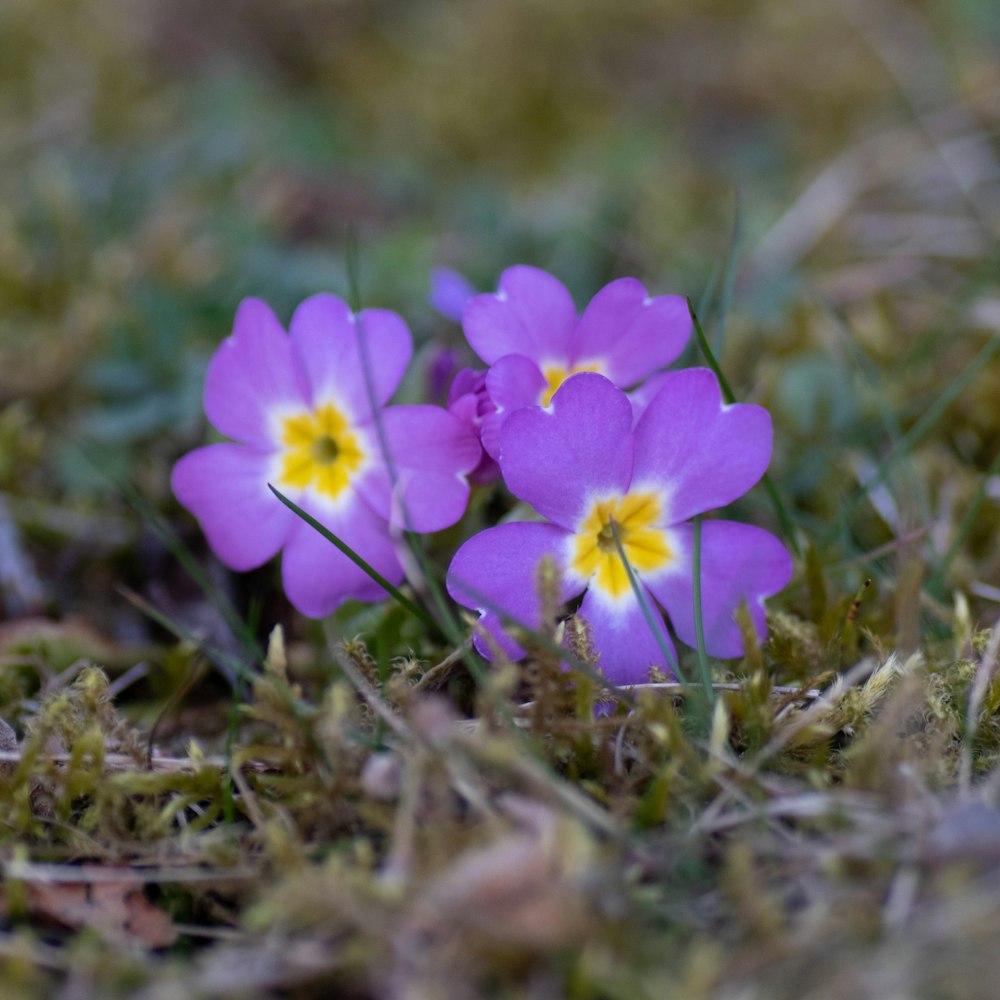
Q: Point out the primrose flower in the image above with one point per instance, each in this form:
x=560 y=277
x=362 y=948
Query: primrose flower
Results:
x=305 y=411
x=583 y=467
x=529 y=334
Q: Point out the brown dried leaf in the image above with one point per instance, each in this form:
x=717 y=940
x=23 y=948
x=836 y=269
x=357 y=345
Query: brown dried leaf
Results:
x=113 y=909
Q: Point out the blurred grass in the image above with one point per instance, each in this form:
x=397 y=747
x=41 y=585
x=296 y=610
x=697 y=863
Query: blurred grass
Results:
x=161 y=159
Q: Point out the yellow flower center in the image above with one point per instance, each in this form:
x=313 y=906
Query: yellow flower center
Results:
x=555 y=375
x=595 y=553
x=320 y=450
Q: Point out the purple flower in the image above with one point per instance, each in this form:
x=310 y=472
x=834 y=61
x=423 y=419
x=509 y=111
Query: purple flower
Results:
x=581 y=464
x=298 y=409
x=470 y=402
x=529 y=334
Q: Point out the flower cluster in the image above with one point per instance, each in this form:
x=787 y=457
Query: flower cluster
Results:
x=573 y=412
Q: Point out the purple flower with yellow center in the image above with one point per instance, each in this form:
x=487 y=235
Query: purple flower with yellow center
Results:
x=305 y=411
x=588 y=472
x=529 y=333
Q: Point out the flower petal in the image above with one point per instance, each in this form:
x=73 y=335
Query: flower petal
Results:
x=430 y=451
x=318 y=577
x=326 y=337
x=560 y=457
x=251 y=373
x=496 y=570
x=225 y=487
x=703 y=454
x=450 y=291
x=739 y=562
x=643 y=395
x=622 y=638
x=632 y=333
x=531 y=314
x=512 y=383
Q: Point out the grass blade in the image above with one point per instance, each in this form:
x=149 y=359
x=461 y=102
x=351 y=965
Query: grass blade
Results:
x=699 y=625
x=652 y=619
x=394 y=592
x=729 y=272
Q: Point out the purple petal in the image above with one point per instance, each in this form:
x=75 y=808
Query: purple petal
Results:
x=225 y=487
x=631 y=333
x=531 y=314
x=467 y=382
x=318 y=577
x=251 y=374
x=469 y=401
x=450 y=291
x=622 y=638
x=559 y=458
x=430 y=452
x=512 y=383
x=644 y=394
x=739 y=562
x=487 y=471
x=326 y=339
x=496 y=570
x=702 y=453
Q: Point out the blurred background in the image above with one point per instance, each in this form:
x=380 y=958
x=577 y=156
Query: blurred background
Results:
x=823 y=180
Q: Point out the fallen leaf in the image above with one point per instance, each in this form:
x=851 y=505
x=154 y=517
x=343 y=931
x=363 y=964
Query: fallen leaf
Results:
x=113 y=909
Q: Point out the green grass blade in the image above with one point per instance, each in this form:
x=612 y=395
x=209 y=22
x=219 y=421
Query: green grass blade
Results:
x=699 y=625
x=729 y=272
x=394 y=592
x=653 y=622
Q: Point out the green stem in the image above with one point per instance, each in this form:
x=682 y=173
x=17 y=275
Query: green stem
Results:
x=699 y=624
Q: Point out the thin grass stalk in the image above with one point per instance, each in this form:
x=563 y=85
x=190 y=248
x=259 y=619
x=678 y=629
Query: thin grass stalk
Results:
x=699 y=625
x=655 y=626
x=729 y=272
x=394 y=592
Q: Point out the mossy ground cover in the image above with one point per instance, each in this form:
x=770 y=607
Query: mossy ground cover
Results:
x=204 y=795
